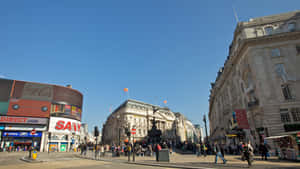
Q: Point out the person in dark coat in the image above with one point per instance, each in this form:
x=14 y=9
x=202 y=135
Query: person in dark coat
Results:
x=263 y=149
x=222 y=150
x=157 y=149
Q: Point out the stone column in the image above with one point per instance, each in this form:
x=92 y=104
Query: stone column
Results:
x=69 y=144
x=58 y=146
x=42 y=143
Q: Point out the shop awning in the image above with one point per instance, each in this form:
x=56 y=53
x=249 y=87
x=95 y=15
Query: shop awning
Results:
x=274 y=137
x=291 y=133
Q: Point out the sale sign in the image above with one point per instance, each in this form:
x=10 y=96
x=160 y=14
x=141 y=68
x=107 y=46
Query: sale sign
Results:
x=64 y=125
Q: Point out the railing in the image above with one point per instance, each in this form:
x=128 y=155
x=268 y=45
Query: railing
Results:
x=253 y=103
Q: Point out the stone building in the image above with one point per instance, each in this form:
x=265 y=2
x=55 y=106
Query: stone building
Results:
x=139 y=115
x=198 y=135
x=261 y=75
x=83 y=132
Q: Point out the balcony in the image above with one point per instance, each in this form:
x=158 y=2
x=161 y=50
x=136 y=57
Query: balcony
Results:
x=253 y=104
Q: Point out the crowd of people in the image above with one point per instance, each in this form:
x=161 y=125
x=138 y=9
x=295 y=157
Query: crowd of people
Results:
x=16 y=148
x=244 y=149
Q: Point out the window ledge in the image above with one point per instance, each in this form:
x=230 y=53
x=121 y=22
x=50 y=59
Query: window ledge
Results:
x=275 y=57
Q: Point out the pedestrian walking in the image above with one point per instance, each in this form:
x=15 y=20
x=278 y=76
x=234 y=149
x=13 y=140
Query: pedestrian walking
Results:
x=198 y=150
x=204 y=149
x=263 y=149
x=157 y=149
x=248 y=153
x=217 y=151
x=150 y=150
x=222 y=150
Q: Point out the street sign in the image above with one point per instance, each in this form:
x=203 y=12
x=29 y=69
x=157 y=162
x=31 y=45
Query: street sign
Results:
x=133 y=131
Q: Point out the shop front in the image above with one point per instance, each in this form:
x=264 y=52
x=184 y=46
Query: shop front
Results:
x=16 y=134
x=21 y=140
x=63 y=134
x=286 y=146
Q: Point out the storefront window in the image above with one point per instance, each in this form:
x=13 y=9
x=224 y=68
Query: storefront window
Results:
x=296 y=114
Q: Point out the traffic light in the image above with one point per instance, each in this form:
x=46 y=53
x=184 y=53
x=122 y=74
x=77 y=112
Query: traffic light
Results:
x=96 y=134
x=128 y=133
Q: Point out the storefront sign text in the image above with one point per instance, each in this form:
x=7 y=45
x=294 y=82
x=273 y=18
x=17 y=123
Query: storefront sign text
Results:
x=28 y=120
x=62 y=125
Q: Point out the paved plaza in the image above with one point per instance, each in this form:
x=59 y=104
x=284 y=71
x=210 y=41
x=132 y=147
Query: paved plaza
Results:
x=74 y=160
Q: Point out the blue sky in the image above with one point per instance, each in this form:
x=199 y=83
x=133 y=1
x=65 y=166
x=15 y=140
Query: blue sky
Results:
x=159 y=49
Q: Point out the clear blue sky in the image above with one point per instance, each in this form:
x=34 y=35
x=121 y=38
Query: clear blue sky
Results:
x=159 y=49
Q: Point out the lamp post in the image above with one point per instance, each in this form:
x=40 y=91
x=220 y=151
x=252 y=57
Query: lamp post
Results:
x=204 y=120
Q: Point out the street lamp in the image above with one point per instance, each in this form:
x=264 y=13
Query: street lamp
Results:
x=204 y=120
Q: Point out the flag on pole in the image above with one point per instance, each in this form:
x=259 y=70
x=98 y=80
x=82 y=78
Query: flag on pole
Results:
x=127 y=92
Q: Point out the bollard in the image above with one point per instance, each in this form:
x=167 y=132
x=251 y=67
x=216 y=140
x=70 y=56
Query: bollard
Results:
x=34 y=155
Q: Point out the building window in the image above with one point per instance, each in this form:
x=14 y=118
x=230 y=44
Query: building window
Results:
x=269 y=30
x=275 y=52
x=286 y=92
x=285 y=117
x=298 y=49
x=292 y=26
x=280 y=70
x=296 y=114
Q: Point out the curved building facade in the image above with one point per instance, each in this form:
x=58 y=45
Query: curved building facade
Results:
x=54 y=112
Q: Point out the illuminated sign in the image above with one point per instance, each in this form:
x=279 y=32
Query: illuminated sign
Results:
x=64 y=125
x=21 y=134
x=27 y=120
x=71 y=126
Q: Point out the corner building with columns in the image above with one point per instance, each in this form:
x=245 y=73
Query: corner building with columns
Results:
x=139 y=115
x=256 y=95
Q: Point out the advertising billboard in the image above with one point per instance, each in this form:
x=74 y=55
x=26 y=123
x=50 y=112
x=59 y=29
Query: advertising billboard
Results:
x=29 y=108
x=26 y=120
x=21 y=134
x=64 y=110
x=64 y=125
x=42 y=100
x=241 y=118
x=5 y=90
x=67 y=95
x=32 y=91
x=24 y=127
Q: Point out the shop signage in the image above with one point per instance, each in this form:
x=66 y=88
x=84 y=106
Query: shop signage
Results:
x=64 y=125
x=2 y=127
x=21 y=134
x=63 y=147
x=241 y=118
x=18 y=127
x=26 y=120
